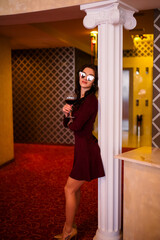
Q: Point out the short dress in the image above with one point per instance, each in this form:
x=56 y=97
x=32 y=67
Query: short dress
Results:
x=87 y=163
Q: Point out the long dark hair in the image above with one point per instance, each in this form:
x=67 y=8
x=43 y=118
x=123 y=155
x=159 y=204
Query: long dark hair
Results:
x=94 y=87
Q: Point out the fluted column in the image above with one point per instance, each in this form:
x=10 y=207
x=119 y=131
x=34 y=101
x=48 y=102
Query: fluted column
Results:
x=110 y=16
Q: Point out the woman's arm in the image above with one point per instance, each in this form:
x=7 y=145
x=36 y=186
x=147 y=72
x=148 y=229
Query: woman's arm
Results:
x=89 y=106
x=66 y=121
x=66 y=110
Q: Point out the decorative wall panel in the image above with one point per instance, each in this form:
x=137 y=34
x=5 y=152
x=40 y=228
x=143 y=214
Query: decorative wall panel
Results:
x=142 y=49
x=156 y=82
x=40 y=79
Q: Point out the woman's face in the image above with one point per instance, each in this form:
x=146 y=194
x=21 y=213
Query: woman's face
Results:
x=86 y=73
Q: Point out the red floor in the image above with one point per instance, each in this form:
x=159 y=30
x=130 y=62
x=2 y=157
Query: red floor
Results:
x=32 y=198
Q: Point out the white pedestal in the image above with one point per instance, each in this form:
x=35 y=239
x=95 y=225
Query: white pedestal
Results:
x=141 y=208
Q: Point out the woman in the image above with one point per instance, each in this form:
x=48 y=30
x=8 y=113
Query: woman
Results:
x=87 y=160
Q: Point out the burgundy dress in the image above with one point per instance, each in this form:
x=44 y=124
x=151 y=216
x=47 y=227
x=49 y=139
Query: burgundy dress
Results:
x=87 y=159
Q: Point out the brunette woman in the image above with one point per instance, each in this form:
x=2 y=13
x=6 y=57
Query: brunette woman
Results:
x=87 y=159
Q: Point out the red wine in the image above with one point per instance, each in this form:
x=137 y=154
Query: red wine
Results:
x=70 y=101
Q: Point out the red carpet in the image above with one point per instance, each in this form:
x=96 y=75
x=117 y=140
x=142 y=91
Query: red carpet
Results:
x=32 y=197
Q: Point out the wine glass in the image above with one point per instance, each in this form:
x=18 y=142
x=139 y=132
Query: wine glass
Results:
x=70 y=98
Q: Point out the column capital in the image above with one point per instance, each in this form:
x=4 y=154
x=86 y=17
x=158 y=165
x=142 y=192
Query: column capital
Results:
x=112 y=11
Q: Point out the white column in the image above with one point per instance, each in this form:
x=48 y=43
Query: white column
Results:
x=110 y=16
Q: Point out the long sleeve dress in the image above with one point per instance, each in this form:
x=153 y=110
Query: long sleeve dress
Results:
x=87 y=159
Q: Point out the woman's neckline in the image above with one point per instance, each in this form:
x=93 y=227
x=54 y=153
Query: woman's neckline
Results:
x=87 y=95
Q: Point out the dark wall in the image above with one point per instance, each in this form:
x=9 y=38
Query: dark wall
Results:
x=81 y=58
x=41 y=77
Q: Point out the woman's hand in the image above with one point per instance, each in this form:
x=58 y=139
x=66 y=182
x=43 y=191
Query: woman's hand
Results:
x=66 y=109
x=70 y=121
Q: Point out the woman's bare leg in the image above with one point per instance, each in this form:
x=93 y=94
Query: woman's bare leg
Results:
x=72 y=194
x=78 y=196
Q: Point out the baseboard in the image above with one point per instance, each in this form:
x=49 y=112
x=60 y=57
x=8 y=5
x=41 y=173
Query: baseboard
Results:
x=6 y=163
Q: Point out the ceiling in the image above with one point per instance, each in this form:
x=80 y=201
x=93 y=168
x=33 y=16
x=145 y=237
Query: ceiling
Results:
x=63 y=27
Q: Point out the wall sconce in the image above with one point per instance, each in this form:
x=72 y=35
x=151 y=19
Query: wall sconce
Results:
x=94 y=35
x=137 y=71
x=146 y=37
x=147 y=70
x=93 y=40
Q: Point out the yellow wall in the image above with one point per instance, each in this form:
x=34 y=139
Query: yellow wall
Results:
x=144 y=26
x=141 y=82
x=6 y=118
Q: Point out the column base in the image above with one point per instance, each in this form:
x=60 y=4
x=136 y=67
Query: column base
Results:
x=108 y=236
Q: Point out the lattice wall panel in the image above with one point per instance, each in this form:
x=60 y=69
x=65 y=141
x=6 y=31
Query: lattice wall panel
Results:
x=156 y=82
x=40 y=79
x=142 y=49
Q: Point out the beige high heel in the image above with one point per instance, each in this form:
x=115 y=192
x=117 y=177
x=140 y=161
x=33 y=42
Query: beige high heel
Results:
x=59 y=236
x=72 y=235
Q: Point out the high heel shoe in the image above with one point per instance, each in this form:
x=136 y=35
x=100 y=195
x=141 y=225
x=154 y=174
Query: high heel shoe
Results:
x=59 y=236
x=70 y=236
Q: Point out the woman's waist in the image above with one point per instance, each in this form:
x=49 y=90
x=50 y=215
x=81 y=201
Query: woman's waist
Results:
x=85 y=135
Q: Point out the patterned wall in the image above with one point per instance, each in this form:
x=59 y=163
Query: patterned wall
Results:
x=142 y=49
x=40 y=79
x=156 y=82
